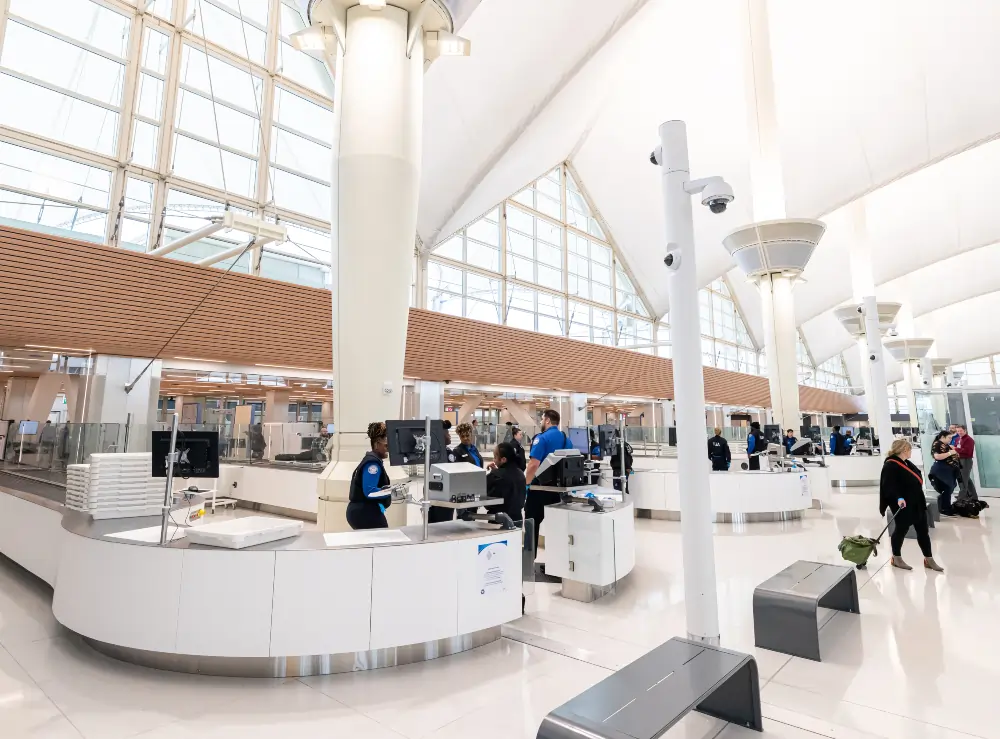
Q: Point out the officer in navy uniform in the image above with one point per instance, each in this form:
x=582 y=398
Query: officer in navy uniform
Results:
x=755 y=445
x=543 y=444
x=368 y=499
x=718 y=452
x=790 y=440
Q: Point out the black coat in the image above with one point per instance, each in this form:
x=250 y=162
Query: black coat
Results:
x=718 y=452
x=507 y=482
x=902 y=479
x=521 y=460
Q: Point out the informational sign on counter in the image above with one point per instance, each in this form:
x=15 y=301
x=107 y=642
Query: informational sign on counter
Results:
x=491 y=577
x=804 y=482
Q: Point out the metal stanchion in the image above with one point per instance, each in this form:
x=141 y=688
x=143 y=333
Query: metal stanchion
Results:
x=425 y=508
x=168 y=495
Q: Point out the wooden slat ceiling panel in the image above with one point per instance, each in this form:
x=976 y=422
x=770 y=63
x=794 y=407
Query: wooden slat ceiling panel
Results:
x=62 y=292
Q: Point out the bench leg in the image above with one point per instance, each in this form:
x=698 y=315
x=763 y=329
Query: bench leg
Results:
x=844 y=595
x=737 y=700
x=786 y=625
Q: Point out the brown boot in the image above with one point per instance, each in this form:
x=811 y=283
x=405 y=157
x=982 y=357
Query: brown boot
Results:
x=898 y=562
x=930 y=564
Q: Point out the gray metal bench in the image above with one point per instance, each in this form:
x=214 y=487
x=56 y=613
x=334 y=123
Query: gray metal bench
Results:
x=645 y=698
x=786 y=605
x=933 y=515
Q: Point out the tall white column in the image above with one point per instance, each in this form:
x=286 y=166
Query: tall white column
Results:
x=578 y=409
x=667 y=407
x=376 y=190
x=781 y=345
x=700 y=596
x=431 y=395
x=378 y=118
x=880 y=391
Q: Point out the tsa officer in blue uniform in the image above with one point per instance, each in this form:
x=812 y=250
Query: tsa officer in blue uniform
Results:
x=368 y=499
x=790 y=440
x=543 y=445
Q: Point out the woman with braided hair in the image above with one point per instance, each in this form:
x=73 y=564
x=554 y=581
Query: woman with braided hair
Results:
x=369 y=497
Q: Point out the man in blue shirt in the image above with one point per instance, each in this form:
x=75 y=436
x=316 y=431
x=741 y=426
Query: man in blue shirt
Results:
x=542 y=446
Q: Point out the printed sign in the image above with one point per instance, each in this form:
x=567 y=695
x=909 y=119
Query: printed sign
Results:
x=490 y=574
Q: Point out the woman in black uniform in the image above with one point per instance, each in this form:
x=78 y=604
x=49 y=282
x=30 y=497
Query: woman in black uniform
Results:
x=368 y=498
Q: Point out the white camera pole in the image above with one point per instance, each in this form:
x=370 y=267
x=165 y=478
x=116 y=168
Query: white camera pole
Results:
x=700 y=596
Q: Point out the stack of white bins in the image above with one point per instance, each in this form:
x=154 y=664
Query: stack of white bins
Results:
x=115 y=486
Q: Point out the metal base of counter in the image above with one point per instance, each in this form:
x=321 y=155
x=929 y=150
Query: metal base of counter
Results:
x=766 y=517
x=304 y=666
x=854 y=483
x=585 y=592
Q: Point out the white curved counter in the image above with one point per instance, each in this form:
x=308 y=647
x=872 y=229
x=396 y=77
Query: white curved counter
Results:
x=292 y=607
x=737 y=496
x=858 y=470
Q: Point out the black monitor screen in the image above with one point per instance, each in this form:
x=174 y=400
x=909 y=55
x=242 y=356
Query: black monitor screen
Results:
x=607 y=436
x=197 y=453
x=408 y=440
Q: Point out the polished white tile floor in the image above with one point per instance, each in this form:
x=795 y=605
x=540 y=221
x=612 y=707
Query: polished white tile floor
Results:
x=921 y=662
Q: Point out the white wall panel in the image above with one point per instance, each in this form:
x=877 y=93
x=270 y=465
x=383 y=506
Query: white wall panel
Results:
x=313 y=590
x=225 y=603
x=31 y=535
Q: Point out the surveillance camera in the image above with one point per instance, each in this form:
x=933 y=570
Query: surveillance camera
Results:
x=872 y=358
x=861 y=309
x=717 y=195
x=657 y=156
x=673 y=258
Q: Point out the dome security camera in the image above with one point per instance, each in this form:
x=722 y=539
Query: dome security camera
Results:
x=717 y=195
x=673 y=258
x=656 y=157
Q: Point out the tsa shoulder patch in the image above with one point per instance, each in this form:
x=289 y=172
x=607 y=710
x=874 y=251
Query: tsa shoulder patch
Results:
x=536 y=440
x=372 y=469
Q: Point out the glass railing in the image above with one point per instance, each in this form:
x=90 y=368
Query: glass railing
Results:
x=268 y=442
x=56 y=445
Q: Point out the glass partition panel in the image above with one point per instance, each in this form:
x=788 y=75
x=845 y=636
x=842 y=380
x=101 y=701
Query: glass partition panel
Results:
x=984 y=414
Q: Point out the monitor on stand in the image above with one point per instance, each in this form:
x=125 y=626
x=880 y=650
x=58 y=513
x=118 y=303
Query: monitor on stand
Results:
x=197 y=454
x=408 y=442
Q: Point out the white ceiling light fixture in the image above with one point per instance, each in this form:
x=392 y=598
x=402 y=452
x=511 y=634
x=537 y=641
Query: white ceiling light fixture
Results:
x=443 y=43
x=315 y=38
x=374 y=4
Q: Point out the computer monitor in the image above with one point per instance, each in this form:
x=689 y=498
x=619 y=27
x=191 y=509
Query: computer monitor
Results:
x=197 y=453
x=27 y=428
x=607 y=435
x=408 y=439
x=772 y=433
x=307 y=442
x=580 y=439
x=329 y=428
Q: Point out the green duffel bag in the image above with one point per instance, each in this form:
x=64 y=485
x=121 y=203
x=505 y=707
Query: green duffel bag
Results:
x=858 y=549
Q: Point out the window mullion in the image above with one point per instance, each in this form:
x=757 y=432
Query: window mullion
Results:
x=131 y=83
x=4 y=9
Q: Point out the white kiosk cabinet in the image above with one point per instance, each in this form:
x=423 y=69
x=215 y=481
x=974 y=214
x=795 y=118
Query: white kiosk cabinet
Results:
x=588 y=549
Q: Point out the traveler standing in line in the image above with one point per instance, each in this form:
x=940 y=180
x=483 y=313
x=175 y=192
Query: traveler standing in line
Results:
x=755 y=445
x=901 y=490
x=516 y=437
x=966 y=448
x=945 y=471
x=718 y=452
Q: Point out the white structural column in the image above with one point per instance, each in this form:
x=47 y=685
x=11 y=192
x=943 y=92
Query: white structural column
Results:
x=378 y=137
x=880 y=390
x=431 y=399
x=376 y=189
x=775 y=280
x=667 y=408
x=700 y=596
x=780 y=344
x=578 y=410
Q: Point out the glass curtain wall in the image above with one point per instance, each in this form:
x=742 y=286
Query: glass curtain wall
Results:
x=725 y=341
x=541 y=261
x=132 y=122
